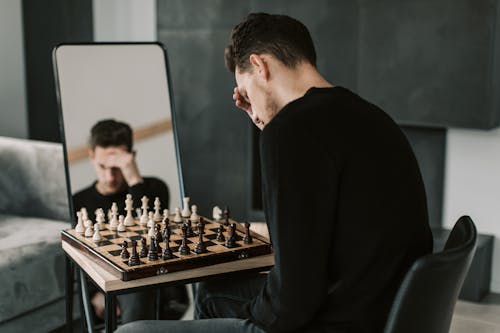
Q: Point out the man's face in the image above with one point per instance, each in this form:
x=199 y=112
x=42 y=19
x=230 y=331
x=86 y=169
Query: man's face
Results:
x=110 y=179
x=258 y=93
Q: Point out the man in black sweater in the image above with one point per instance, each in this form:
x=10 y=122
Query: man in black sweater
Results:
x=343 y=196
x=117 y=173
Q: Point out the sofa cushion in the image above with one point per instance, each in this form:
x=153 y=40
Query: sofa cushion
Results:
x=31 y=263
x=32 y=179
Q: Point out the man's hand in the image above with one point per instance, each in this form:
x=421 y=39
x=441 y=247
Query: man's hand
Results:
x=125 y=161
x=245 y=105
x=97 y=302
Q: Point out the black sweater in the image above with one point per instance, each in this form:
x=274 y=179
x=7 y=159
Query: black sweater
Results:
x=346 y=209
x=91 y=199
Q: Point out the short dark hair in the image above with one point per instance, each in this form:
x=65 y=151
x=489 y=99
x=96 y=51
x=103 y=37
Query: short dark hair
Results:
x=279 y=35
x=109 y=132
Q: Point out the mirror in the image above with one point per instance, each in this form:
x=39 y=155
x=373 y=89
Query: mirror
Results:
x=117 y=85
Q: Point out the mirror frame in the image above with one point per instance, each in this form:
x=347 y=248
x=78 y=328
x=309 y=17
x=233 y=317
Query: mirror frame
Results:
x=61 y=119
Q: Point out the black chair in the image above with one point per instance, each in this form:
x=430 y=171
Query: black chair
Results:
x=426 y=298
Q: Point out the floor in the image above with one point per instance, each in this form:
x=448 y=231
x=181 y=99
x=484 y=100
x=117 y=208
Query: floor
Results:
x=481 y=317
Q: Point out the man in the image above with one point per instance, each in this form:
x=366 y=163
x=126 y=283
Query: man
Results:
x=343 y=196
x=111 y=154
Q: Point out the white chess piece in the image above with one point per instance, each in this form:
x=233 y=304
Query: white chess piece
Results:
x=129 y=207
x=177 y=217
x=195 y=218
x=144 y=217
x=151 y=221
x=217 y=213
x=165 y=216
x=138 y=213
x=121 y=225
x=79 y=228
x=99 y=219
x=113 y=222
x=97 y=235
x=185 y=211
x=157 y=215
x=152 y=231
x=85 y=214
x=89 y=231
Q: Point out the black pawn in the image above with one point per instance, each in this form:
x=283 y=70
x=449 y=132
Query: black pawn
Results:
x=230 y=241
x=226 y=215
x=134 y=258
x=200 y=245
x=201 y=225
x=158 y=235
x=167 y=253
x=166 y=234
x=144 y=248
x=189 y=228
x=184 y=249
x=153 y=253
x=220 y=235
x=124 y=254
x=158 y=247
x=248 y=237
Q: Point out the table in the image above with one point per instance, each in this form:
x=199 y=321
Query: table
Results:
x=111 y=286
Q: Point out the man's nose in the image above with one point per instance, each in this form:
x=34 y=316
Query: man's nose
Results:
x=110 y=175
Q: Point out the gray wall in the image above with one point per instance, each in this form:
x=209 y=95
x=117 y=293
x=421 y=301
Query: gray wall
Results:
x=13 y=117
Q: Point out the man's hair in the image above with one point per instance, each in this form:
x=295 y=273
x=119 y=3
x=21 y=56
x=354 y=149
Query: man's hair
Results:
x=279 y=35
x=109 y=132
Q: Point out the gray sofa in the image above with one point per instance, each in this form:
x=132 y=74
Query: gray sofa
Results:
x=33 y=211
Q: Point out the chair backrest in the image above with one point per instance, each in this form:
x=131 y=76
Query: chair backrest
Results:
x=426 y=298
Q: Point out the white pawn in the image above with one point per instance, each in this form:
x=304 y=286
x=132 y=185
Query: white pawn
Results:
x=152 y=231
x=151 y=221
x=165 y=215
x=185 y=211
x=144 y=217
x=121 y=225
x=79 y=228
x=113 y=222
x=217 y=213
x=97 y=235
x=129 y=207
x=85 y=214
x=138 y=213
x=195 y=218
x=89 y=231
x=177 y=217
x=99 y=219
x=157 y=215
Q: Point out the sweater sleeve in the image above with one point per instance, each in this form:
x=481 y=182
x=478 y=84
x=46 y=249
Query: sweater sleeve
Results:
x=150 y=187
x=299 y=192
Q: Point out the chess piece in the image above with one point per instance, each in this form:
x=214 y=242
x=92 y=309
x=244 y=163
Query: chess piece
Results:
x=230 y=241
x=220 y=234
x=138 y=213
x=166 y=234
x=121 y=225
x=99 y=219
x=85 y=217
x=248 y=237
x=89 y=231
x=158 y=247
x=124 y=254
x=153 y=253
x=151 y=221
x=200 y=245
x=217 y=213
x=195 y=218
x=158 y=235
x=189 y=229
x=113 y=222
x=184 y=248
x=152 y=230
x=185 y=211
x=144 y=217
x=165 y=220
x=97 y=233
x=167 y=253
x=157 y=214
x=129 y=207
x=177 y=217
x=144 y=248
x=134 y=257
x=226 y=216
x=79 y=228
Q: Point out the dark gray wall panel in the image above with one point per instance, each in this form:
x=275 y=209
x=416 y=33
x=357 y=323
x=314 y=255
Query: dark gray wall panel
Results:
x=431 y=63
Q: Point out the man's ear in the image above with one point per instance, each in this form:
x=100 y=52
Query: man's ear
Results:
x=259 y=65
x=91 y=153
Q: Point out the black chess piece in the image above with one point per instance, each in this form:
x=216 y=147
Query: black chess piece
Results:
x=184 y=248
x=226 y=215
x=166 y=234
x=153 y=253
x=134 y=258
x=167 y=253
x=201 y=225
x=220 y=235
x=248 y=237
x=124 y=254
x=158 y=247
x=158 y=235
x=144 y=248
x=230 y=241
x=200 y=245
x=189 y=230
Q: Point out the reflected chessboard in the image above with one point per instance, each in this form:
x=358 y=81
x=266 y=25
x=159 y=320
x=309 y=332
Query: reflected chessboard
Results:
x=108 y=250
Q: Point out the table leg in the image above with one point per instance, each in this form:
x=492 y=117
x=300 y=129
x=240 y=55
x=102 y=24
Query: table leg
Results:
x=158 y=303
x=69 y=295
x=110 y=308
x=87 y=307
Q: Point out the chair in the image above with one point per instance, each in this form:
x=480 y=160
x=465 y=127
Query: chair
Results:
x=426 y=298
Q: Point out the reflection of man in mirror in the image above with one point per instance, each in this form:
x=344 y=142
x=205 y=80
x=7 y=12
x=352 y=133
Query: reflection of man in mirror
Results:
x=111 y=154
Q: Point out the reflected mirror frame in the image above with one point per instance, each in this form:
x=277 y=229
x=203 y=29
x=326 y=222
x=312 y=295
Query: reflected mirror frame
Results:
x=61 y=120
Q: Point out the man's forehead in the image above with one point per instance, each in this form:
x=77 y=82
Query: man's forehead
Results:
x=111 y=150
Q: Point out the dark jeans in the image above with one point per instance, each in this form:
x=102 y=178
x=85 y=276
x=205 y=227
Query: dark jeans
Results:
x=217 y=305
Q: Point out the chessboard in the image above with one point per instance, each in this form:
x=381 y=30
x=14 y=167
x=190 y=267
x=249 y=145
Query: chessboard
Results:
x=109 y=249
